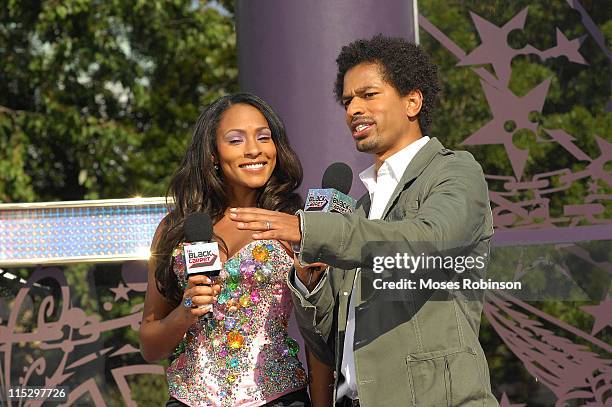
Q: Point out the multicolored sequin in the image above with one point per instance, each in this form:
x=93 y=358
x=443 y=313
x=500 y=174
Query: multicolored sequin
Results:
x=243 y=356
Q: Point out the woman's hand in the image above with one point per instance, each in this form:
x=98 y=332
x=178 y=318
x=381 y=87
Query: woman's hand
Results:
x=267 y=224
x=310 y=274
x=201 y=293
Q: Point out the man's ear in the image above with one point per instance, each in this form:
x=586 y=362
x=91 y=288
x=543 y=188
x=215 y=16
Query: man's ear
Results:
x=413 y=102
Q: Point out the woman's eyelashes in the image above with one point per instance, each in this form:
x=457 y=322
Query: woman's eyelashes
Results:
x=235 y=139
x=264 y=136
x=240 y=138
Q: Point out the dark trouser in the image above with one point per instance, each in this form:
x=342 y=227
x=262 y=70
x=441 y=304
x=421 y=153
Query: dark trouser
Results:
x=296 y=399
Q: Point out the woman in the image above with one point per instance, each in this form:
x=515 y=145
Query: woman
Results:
x=239 y=156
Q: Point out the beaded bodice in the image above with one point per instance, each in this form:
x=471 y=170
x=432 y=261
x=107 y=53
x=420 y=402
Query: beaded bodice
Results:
x=243 y=355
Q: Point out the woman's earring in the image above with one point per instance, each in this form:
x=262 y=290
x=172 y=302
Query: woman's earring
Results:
x=216 y=167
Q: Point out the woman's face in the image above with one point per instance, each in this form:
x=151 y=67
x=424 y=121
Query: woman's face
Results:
x=247 y=154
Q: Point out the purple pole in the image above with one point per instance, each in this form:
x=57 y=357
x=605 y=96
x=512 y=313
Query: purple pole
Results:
x=287 y=55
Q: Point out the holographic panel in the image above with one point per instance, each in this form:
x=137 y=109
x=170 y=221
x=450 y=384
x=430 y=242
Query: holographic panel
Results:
x=83 y=231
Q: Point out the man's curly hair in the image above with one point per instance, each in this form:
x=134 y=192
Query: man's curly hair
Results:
x=403 y=65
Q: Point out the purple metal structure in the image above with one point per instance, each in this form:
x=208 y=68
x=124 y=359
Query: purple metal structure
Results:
x=286 y=54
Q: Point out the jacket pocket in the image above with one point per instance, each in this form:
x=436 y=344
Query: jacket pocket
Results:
x=449 y=377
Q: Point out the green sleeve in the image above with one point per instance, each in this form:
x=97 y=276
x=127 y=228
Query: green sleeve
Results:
x=455 y=208
x=314 y=314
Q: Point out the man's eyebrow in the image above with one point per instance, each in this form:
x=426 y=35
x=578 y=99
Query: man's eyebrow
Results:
x=359 y=91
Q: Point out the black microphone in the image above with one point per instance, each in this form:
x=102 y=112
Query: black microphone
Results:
x=338 y=176
x=198 y=227
x=333 y=194
x=201 y=255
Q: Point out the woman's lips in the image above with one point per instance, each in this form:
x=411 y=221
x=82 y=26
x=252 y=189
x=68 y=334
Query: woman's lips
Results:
x=253 y=166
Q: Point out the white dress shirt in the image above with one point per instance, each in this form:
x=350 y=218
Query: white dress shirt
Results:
x=380 y=186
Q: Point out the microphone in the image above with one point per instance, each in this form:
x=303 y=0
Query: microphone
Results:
x=333 y=194
x=338 y=176
x=201 y=255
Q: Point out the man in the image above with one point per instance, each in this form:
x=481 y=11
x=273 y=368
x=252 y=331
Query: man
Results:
x=418 y=191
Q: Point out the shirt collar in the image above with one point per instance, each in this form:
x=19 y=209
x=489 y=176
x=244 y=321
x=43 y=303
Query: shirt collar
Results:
x=396 y=164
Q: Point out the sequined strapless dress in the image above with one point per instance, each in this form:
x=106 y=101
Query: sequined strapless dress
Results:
x=243 y=356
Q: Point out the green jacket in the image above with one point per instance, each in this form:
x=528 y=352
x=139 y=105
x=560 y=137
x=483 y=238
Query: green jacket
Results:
x=432 y=357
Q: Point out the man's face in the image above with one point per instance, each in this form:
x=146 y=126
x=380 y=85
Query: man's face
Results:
x=375 y=113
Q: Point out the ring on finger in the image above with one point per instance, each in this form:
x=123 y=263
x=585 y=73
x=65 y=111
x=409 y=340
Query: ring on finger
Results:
x=188 y=303
x=268 y=227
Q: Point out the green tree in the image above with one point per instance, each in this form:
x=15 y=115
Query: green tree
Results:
x=97 y=98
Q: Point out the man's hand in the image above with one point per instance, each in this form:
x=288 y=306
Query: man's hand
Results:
x=310 y=274
x=268 y=224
